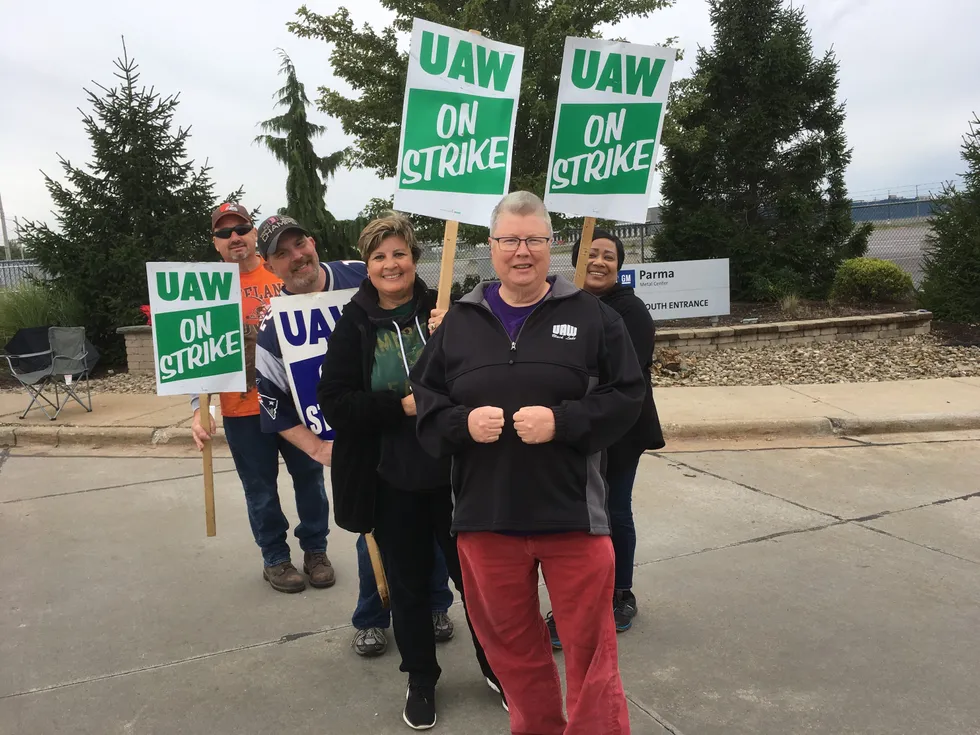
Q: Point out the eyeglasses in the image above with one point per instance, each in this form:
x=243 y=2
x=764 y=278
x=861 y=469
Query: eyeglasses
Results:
x=225 y=232
x=511 y=244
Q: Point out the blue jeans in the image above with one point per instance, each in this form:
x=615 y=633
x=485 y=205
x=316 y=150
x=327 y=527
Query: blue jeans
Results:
x=369 y=612
x=621 y=467
x=256 y=458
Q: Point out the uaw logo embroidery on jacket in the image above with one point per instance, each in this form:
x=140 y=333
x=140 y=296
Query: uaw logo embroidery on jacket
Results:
x=564 y=331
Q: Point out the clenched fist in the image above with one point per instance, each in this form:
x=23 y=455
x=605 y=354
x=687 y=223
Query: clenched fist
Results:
x=486 y=424
x=535 y=424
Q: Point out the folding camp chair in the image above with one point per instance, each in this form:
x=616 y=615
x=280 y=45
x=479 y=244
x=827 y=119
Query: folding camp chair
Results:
x=69 y=360
x=28 y=356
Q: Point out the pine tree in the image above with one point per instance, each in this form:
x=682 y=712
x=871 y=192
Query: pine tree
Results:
x=139 y=200
x=306 y=187
x=755 y=155
x=951 y=288
x=376 y=69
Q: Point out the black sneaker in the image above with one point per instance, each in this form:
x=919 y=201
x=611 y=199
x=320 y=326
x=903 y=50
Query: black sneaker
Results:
x=420 y=706
x=442 y=626
x=624 y=609
x=549 y=619
x=495 y=685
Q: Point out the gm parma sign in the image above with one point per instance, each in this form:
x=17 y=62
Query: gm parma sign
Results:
x=687 y=288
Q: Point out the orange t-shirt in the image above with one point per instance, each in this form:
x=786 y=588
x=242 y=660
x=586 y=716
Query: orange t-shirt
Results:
x=258 y=286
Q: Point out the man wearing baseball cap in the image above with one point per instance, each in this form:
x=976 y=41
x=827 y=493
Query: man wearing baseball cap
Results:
x=255 y=453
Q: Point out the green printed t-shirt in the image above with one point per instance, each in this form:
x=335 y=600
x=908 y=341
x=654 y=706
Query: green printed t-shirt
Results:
x=388 y=371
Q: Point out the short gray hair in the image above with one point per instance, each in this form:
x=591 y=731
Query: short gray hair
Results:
x=521 y=203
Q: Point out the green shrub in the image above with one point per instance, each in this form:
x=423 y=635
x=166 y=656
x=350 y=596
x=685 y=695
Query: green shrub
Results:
x=37 y=305
x=871 y=280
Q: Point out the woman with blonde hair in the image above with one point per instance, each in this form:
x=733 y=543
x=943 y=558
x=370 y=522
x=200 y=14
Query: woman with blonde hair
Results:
x=382 y=479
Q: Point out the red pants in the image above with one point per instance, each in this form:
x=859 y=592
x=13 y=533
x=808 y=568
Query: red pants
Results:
x=500 y=574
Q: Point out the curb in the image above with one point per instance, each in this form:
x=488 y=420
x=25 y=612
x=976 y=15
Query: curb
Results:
x=824 y=426
x=923 y=422
x=97 y=437
x=12 y=435
x=737 y=428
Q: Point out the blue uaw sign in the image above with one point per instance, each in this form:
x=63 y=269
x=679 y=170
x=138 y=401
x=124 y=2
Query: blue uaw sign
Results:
x=304 y=324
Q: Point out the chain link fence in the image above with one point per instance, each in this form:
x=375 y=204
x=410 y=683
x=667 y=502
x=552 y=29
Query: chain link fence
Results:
x=901 y=231
x=13 y=273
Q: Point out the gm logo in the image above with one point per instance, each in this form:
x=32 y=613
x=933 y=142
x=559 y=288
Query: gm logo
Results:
x=627 y=278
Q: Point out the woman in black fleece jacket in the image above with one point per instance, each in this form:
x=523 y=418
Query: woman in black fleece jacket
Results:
x=606 y=258
x=382 y=479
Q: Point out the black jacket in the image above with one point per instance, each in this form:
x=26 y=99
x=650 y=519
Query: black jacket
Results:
x=572 y=356
x=646 y=432
x=374 y=437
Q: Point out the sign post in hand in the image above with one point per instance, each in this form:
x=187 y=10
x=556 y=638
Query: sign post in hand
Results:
x=209 y=522
x=198 y=344
x=588 y=229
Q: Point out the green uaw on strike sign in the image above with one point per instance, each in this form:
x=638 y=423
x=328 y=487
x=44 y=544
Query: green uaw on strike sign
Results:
x=611 y=104
x=457 y=134
x=196 y=311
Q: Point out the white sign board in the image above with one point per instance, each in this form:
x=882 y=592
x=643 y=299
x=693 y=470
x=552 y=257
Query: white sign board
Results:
x=612 y=99
x=680 y=290
x=304 y=323
x=457 y=133
x=196 y=312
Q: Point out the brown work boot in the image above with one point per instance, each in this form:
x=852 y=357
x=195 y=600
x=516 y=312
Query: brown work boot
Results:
x=284 y=577
x=319 y=569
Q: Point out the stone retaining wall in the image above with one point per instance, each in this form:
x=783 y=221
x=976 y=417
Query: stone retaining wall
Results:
x=139 y=349
x=139 y=340
x=878 y=326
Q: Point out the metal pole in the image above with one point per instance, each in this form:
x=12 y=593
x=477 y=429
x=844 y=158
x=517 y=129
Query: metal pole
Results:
x=3 y=227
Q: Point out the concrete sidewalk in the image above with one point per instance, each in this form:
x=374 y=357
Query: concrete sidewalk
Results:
x=845 y=409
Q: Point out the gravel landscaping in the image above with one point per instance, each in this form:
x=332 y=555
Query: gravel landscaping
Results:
x=864 y=361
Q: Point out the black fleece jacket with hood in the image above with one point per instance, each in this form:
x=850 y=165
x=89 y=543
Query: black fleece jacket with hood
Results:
x=572 y=355
x=374 y=438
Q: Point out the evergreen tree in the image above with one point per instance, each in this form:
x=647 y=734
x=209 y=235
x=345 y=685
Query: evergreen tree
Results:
x=139 y=200
x=755 y=155
x=375 y=69
x=306 y=187
x=951 y=288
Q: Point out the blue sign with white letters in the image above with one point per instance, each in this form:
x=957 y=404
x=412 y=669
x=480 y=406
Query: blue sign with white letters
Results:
x=304 y=324
x=627 y=278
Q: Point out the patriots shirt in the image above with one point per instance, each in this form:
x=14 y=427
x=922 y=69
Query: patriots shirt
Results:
x=277 y=410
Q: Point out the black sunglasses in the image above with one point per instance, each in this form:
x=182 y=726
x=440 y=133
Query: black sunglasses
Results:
x=225 y=232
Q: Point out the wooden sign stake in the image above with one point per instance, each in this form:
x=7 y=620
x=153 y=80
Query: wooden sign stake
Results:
x=205 y=404
x=588 y=228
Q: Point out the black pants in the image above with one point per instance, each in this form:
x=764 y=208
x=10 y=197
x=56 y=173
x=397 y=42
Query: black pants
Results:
x=405 y=523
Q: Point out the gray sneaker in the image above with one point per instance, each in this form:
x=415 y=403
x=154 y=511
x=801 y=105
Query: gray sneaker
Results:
x=370 y=642
x=284 y=577
x=443 y=627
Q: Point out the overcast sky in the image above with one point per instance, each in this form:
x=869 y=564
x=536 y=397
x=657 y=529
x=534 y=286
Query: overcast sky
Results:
x=908 y=76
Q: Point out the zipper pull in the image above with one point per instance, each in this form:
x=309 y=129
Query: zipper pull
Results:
x=513 y=346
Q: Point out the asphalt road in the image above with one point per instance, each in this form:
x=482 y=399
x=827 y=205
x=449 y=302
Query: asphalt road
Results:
x=801 y=590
